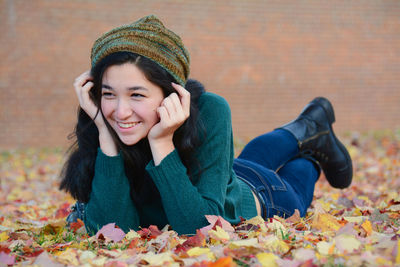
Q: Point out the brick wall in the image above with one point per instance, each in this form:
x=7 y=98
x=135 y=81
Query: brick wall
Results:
x=267 y=58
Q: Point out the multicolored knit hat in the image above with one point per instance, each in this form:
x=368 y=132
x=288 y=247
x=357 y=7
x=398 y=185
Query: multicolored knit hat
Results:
x=146 y=37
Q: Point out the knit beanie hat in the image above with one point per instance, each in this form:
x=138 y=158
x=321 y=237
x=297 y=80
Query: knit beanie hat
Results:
x=147 y=37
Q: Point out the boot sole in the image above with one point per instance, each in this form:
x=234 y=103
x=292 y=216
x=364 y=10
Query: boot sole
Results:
x=348 y=171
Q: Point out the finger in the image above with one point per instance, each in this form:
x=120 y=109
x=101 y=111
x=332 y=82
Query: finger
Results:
x=82 y=79
x=169 y=105
x=164 y=116
x=176 y=102
x=184 y=97
x=85 y=90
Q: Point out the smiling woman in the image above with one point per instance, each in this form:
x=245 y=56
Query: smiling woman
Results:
x=129 y=102
x=154 y=148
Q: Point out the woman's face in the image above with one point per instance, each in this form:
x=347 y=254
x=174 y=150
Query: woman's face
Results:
x=129 y=102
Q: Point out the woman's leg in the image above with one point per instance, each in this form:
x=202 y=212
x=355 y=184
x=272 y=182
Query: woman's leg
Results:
x=301 y=175
x=272 y=165
x=280 y=193
x=271 y=150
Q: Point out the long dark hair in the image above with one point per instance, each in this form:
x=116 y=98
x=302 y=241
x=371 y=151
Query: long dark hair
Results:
x=78 y=171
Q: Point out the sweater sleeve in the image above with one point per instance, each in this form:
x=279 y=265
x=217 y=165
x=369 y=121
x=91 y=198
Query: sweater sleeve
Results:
x=186 y=200
x=110 y=200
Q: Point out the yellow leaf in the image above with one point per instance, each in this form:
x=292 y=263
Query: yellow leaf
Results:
x=219 y=234
x=22 y=208
x=256 y=220
x=197 y=251
x=274 y=244
x=325 y=222
x=100 y=261
x=394 y=208
x=86 y=256
x=367 y=226
x=383 y=262
x=363 y=198
x=278 y=227
x=357 y=212
x=398 y=252
x=325 y=248
x=69 y=256
x=132 y=235
x=3 y=236
x=335 y=196
x=158 y=259
x=347 y=243
x=259 y=221
x=267 y=259
x=325 y=205
x=252 y=242
x=355 y=219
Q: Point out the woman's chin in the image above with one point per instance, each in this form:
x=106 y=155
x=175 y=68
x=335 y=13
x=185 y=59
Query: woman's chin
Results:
x=129 y=141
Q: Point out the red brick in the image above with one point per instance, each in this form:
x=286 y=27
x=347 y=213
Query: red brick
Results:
x=267 y=58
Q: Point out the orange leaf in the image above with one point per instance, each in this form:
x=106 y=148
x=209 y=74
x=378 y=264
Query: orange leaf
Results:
x=223 y=262
x=76 y=225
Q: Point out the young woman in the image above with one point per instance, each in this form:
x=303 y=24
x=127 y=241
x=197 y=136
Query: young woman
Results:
x=154 y=148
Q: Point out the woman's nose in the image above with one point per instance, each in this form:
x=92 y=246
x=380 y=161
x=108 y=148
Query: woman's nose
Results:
x=124 y=110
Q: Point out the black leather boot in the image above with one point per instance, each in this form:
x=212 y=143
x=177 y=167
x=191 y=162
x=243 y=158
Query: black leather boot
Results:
x=315 y=136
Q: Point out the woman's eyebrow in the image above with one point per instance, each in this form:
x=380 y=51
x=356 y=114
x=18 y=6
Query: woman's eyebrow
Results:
x=106 y=86
x=135 y=88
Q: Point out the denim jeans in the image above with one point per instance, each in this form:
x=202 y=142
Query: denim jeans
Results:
x=282 y=181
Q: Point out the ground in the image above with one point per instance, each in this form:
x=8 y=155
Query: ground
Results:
x=357 y=226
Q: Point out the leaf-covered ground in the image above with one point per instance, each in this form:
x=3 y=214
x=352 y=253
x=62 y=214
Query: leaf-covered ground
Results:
x=358 y=226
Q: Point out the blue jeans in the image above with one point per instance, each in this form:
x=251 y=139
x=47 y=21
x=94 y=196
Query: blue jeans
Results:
x=282 y=181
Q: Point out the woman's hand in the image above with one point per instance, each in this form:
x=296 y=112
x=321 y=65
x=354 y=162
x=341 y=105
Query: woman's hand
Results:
x=83 y=84
x=173 y=112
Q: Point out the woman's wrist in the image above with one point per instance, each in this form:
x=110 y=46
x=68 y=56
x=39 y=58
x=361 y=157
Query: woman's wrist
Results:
x=107 y=143
x=160 y=148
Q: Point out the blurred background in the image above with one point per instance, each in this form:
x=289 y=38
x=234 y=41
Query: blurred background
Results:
x=267 y=58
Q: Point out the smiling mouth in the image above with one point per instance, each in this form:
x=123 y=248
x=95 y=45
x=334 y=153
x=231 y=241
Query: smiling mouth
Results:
x=127 y=125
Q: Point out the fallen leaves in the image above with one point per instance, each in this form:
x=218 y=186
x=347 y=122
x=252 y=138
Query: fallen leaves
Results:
x=358 y=226
x=110 y=233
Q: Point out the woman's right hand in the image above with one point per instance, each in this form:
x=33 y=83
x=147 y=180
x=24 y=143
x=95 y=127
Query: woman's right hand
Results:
x=83 y=84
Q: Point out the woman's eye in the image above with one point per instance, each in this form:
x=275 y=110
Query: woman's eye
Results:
x=137 y=95
x=107 y=94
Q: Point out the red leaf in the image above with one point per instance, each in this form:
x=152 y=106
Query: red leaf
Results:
x=63 y=211
x=151 y=232
x=154 y=230
x=4 y=249
x=76 y=225
x=197 y=240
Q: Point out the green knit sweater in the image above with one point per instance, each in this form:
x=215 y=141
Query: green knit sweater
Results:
x=183 y=203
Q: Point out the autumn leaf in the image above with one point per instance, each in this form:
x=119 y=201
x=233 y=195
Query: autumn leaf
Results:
x=75 y=226
x=111 y=233
x=356 y=226
x=267 y=259
x=7 y=259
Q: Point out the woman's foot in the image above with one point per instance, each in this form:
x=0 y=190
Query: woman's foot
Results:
x=315 y=136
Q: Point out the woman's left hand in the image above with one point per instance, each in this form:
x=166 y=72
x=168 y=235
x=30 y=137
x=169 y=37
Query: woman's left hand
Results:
x=173 y=112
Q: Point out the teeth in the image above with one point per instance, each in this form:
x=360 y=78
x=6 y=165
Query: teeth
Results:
x=127 y=125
